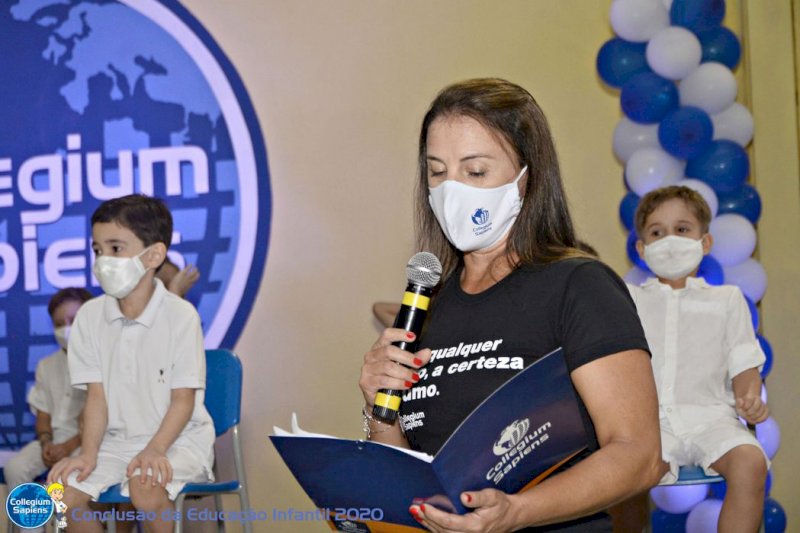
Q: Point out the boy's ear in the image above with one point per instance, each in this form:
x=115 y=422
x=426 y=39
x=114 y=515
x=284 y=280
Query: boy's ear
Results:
x=708 y=241
x=640 y=248
x=155 y=255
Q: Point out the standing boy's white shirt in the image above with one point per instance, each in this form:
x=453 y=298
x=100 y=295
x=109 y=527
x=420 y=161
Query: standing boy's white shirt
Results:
x=52 y=393
x=139 y=362
x=700 y=337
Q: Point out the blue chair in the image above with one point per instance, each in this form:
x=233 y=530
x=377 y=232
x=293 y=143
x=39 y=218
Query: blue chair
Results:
x=223 y=398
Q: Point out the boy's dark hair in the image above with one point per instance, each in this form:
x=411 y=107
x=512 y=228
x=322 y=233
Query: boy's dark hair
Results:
x=147 y=217
x=69 y=294
x=650 y=202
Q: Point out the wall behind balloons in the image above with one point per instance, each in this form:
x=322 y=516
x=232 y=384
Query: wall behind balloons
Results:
x=340 y=88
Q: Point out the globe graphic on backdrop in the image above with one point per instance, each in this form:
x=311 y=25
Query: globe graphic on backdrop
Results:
x=26 y=518
x=103 y=99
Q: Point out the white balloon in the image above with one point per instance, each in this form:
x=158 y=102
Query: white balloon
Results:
x=674 y=53
x=678 y=499
x=711 y=87
x=704 y=517
x=651 y=168
x=636 y=276
x=734 y=239
x=630 y=136
x=769 y=435
x=638 y=20
x=734 y=124
x=705 y=191
x=749 y=276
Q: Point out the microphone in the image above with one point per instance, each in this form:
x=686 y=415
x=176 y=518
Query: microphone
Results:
x=423 y=272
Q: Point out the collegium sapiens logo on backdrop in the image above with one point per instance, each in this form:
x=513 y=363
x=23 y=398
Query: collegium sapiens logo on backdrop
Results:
x=103 y=99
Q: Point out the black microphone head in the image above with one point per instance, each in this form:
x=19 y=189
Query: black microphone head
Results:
x=424 y=269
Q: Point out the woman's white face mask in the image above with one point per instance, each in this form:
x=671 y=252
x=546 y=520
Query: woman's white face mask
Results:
x=473 y=218
x=673 y=257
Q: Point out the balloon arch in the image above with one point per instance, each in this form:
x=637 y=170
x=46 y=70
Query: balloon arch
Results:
x=672 y=61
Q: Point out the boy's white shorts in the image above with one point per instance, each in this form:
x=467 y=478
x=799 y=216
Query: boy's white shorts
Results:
x=703 y=445
x=112 y=463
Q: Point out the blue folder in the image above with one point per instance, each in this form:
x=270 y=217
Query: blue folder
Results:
x=525 y=430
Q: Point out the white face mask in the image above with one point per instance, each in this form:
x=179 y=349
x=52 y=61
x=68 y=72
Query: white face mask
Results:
x=473 y=218
x=62 y=336
x=119 y=275
x=673 y=257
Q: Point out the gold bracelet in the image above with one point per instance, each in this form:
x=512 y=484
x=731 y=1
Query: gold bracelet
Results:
x=367 y=418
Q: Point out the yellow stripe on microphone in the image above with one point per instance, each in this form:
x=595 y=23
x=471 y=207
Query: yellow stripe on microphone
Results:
x=388 y=401
x=416 y=300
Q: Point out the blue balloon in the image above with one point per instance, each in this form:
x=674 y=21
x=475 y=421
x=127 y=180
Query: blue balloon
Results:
x=697 y=15
x=767 y=349
x=618 y=60
x=686 y=132
x=774 y=517
x=711 y=271
x=664 y=522
x=753 y=312
x=743 y=200
x=647 y=97
x=718 y=490
x=633 y=255
x=724 y=166
x=721 y=45
x=627 y=209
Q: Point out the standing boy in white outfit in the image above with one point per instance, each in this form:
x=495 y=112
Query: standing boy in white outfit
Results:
x=52 y=399
x=139 y=351
x=706 y=357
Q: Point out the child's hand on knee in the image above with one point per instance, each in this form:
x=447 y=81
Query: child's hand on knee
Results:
x=751 y=408
x=83 y=464
x=154 y=463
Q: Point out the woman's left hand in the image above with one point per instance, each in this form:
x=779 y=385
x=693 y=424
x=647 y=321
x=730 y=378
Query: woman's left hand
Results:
x=494 y=511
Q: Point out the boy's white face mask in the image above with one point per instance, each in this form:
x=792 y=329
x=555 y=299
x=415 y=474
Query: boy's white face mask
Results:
x=473 y=218
x=118 y=276
x=673 y=257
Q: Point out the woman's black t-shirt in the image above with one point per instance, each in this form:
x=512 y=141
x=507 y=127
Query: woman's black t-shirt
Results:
x=479 y=341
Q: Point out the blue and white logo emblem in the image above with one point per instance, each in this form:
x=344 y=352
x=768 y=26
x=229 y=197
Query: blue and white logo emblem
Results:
x=29 y=506
x=104 y=98
x=511 y=436
x=480 y=216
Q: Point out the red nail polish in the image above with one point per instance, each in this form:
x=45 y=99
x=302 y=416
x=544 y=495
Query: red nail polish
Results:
x=410 y=335
x=418 y=519
x=413 y=512
x=417 y=361
x=415 y=377
x=469 y=498
x=409 y=384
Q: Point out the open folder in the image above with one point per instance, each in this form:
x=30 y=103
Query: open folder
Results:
x=524 y=431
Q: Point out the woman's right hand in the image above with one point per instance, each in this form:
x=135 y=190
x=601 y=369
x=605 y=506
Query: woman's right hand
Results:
x=381 y=371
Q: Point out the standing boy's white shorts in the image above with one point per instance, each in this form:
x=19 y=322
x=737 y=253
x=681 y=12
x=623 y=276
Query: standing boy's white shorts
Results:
x=115 y=456
x=703 y=444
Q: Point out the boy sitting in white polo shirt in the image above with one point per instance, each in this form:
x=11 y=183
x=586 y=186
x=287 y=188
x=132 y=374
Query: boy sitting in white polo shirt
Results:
x=139 y=351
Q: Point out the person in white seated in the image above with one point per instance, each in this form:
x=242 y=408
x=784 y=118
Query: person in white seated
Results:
x=52 y=399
